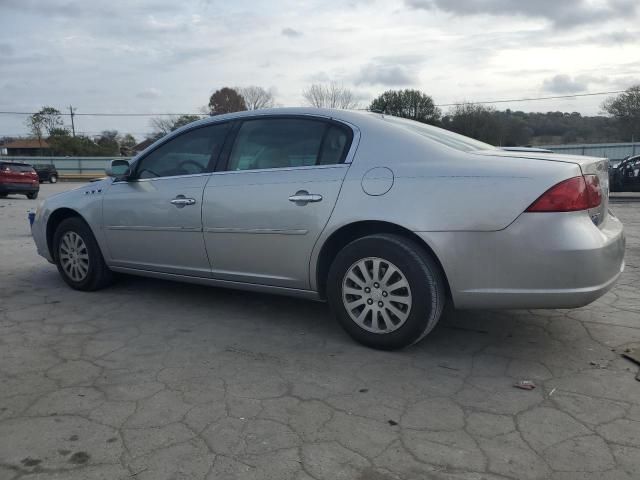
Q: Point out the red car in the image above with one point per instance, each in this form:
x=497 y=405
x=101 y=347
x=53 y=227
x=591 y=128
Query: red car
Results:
x=18 y=178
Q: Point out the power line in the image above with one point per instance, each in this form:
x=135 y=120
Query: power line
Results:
x=555 y=97
x=110 y=114
x=531 y=99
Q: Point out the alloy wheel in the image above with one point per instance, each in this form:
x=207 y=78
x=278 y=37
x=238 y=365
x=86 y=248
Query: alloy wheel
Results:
x=376 y=295
x=74 y=256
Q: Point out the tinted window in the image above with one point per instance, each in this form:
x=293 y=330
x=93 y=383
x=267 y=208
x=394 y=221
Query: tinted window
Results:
x=334 y=146
x=281 y=143
x=187 y=154
x=19 y=168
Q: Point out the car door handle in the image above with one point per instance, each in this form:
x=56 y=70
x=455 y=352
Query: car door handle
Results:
x=181 y=201
x=302 y=197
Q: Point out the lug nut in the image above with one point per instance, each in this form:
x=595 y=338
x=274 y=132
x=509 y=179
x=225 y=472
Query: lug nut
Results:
x=380 y=304
x=369 y=301
x=376 y=285
x=367 y=290
x=384 y=294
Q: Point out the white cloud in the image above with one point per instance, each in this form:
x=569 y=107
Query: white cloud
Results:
x=149 y=93
x=104 y=56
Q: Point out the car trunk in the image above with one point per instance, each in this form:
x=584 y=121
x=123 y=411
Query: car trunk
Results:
x=588 y=165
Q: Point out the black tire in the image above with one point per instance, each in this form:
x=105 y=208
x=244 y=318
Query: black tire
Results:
x=53 y=179
x=98 y=275
x=3 y=195
x=32 y=196
x=422 y=273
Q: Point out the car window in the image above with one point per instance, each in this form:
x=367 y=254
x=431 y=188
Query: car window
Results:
x=287 y=142
x=439 y=135
x=334 y=148
x=19 y=168
x=186 y=154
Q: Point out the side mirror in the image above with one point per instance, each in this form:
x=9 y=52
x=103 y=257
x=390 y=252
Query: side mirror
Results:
x=118 y=169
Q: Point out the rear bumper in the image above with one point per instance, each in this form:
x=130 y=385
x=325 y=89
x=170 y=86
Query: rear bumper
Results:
x=542 y=260
x=19 y=187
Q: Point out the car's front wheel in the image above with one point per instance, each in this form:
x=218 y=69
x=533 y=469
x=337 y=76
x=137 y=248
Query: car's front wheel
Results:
x=32 y=196
x=386 y=291
x=78 y=257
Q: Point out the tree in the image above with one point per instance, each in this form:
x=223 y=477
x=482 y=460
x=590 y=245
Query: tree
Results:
x=162 y=126
x=256 y=97
x=63 y=144
x=108 y=141
x=625 y=108
x=329 y=96
x=475 y=121
x=408 y=103
x=44 y=122
x=226 y=100
x=127 y=141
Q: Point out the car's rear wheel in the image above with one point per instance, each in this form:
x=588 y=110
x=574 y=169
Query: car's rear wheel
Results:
x=78 y=257
x=3 y=195
x=386 y=291
x=53 y=179
x=32 y=196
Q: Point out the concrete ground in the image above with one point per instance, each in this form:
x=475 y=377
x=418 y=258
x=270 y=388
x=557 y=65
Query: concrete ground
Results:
x=158 y=380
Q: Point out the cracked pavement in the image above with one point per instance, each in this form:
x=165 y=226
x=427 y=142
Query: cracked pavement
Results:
x=158 y=380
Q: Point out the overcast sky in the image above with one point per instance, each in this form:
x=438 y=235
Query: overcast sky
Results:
x=170 y=55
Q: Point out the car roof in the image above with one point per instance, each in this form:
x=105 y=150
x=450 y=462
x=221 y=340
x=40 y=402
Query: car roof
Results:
x=9 y=162
x=356 y=117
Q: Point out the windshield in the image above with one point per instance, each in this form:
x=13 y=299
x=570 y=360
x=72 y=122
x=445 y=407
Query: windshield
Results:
x=440 y=135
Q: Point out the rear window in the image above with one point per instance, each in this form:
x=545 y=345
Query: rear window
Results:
x=440 y=135
x=17 y=168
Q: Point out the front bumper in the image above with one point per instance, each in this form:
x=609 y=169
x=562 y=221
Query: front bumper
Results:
x=39 y=234
x=542 y=260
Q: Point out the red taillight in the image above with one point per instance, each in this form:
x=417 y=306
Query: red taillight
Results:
x=577 y=193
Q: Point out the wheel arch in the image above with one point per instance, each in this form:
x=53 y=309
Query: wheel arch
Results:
x=352 y=231
x=56 y=217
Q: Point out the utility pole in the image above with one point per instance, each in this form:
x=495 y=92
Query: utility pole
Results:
x=72 y=113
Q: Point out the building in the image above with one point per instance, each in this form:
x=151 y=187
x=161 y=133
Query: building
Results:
x=26 y=147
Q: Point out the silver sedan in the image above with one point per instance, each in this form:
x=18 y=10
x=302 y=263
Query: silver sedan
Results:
x=386 y=219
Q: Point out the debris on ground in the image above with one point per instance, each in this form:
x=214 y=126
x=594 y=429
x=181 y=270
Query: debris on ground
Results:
x=597 y=364
x=448 y=367
x=466 y=329
x=393 y=423
x=633 y=354
x=525 y=385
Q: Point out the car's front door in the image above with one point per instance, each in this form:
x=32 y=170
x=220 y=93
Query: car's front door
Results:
x=152 y=221
x=264 y=213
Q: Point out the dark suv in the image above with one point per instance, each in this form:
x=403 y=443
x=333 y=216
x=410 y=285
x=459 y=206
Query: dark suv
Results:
x=625 y=177
x=18 y=178
x=46 y=172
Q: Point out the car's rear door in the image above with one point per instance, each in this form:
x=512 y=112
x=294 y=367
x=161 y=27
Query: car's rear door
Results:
x=263 y=214
x=153 y=220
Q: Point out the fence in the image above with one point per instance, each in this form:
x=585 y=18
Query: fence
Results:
x=94 y=166
x=613 y=151
x=71 y=166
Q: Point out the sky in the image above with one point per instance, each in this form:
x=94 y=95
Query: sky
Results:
x=161 y=56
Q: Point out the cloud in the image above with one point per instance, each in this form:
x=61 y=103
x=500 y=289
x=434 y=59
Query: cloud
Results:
x=291 y=33
x=565 y=84
x=387 y=75
x=149 y=93
x=565 y=13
